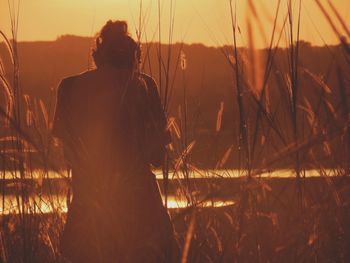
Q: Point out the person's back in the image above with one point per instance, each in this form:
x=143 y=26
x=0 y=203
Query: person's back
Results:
x=116 y=212
x=95 y=120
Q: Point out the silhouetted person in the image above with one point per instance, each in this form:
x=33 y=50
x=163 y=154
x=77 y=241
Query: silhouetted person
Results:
x=112 y=126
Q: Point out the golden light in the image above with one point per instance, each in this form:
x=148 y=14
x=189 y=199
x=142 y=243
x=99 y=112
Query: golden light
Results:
x=196 y=21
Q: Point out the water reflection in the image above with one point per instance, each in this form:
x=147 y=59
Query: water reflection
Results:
x=11 y=204
x=48 y=188
x=195 y=174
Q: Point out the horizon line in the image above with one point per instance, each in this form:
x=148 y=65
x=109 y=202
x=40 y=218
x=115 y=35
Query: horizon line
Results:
x=59 y=37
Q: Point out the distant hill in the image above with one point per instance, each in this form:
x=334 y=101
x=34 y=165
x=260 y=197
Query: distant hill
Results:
x=208 y=79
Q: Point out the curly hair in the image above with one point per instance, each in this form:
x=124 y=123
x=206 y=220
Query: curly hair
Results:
x=115 y=47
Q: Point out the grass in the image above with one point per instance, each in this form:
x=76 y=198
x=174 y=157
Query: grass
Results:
x=294 y=219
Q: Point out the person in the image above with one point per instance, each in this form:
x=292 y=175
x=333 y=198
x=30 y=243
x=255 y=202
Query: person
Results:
x=112 y=127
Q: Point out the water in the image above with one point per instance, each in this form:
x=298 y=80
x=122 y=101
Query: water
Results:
x=57 y=202
x=194 y=174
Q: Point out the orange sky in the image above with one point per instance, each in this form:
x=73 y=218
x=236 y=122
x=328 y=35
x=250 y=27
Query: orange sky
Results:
x=196 y=21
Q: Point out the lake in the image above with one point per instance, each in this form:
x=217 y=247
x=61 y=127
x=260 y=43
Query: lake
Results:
x=47 y=191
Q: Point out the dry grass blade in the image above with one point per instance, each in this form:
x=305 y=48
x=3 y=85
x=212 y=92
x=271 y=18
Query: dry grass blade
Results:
x=243 y=138
x=9 y=97
x=219 y=117
x=329 y=19
x=221 y=163
x=318 y=80
x=173 y=126
x=306 y=144
x=340 y=19
x=8 y=45
x=44 y=113
x=311 y=116
x=188 y=240
x=330 y=108
x=184 y=154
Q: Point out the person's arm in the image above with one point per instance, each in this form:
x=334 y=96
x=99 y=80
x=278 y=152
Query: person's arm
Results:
x=160 y=136
x=156 y=108
x=60 y=127
x=60 y=123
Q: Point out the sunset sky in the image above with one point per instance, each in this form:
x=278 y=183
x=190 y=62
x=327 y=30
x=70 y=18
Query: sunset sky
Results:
x=196 y=21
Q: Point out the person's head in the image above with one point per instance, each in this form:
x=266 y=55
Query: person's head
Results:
x=115 y=47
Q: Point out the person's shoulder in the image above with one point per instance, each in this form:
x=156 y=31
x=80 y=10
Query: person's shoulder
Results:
x=80 y=76
x=86 y=74
x=145 y=76
x=68 y=82
x=137 y=85
x=151 y=84
x=65 y=85
x=148 y=79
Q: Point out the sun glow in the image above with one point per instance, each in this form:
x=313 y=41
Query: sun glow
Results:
x=205 y=21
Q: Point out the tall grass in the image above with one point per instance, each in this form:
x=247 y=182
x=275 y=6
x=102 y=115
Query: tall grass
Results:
x=295 y=219
x=295 y=147
x=27 y=235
